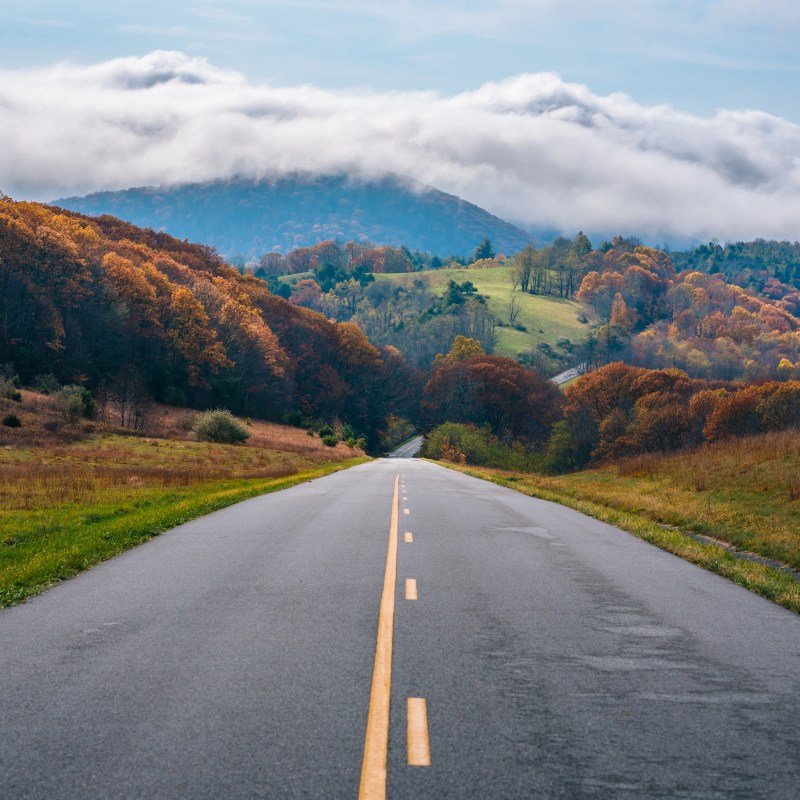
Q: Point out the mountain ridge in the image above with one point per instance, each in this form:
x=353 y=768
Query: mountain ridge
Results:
x=246 y=218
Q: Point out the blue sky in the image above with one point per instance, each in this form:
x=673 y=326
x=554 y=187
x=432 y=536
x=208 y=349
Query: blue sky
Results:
x=673 y=120
x=697 y=56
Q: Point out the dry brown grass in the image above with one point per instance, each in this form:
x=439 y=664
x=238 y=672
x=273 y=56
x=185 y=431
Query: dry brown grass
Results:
x=47 y=463
x=85 y=471
x=72 y=497
x=745 y=492
x=44 y=427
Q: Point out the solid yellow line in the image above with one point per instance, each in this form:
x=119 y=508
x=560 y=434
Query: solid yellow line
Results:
x=408 y=536
x=376 y=742
x=419 y=751
x=411 y=588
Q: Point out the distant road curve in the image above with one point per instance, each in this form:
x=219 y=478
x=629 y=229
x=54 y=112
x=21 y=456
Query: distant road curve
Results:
x=568 y=374
x=407 y=450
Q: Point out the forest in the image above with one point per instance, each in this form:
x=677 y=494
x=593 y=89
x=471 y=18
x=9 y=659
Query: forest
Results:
x=648 y=313
x=675 y=358
x=138 y=315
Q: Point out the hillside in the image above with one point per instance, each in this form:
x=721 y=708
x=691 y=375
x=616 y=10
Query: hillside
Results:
x=546 y=325
x=75 y=493
x=766 y=266
x=131 y=314
x=247 y=218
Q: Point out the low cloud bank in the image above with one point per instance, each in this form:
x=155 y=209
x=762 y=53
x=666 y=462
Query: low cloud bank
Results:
x=533 y=149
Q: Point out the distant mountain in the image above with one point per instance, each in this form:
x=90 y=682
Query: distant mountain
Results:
x=248 y=218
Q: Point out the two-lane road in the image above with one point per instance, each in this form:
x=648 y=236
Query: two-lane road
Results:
x=545 y=654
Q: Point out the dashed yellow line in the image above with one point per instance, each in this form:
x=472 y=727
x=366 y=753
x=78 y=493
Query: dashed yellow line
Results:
x=411 y=588
x=419 y=751
x=376 y=742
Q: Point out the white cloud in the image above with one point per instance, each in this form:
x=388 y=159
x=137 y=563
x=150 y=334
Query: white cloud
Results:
x=533 y=148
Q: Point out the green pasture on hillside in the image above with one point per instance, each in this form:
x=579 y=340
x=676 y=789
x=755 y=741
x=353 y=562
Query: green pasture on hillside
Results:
x=546 y=318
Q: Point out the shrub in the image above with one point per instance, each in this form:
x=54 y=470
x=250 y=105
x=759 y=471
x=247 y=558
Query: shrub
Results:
x=75 y=402
x=348 y=431
x=8 y=389
x=330 y=439
x=560 y=455
x=293 y=418
x=11 y=421
x=46 y=383
x=469 y=444
x=219 y=426
x=326 y=430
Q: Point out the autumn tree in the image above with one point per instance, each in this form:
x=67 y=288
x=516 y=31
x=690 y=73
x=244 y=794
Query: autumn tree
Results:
x=516 y=402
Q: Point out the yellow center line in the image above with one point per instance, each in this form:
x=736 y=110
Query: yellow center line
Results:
x=419 y=751
x=411 y=588
x=376 y=742
x=408 y=536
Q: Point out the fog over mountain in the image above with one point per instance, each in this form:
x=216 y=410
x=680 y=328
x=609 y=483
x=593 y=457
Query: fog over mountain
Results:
x=248 y=218
x=533 y=149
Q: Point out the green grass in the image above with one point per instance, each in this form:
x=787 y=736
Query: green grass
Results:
x=65 y=509
x=547 y=319
x=744 y=493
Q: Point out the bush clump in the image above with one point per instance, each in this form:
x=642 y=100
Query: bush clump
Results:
x=8 y=390
x=219 y=426
x=74 y=403
x=469 y=444
x=330 y=439
x=46 y=383
x=12 y=421
x=293 y=418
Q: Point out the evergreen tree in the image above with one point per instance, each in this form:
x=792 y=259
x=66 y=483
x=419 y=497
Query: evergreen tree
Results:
x=484 y=250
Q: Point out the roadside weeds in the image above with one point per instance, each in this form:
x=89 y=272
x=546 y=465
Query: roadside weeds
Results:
x=86 y=535
x=775 y=584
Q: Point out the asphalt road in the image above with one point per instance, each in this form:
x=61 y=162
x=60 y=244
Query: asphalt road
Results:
x=557 y=656
x=568 y=374
x=409 y=449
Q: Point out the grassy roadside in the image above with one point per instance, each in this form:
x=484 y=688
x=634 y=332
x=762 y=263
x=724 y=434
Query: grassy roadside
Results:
x=53 y=544
x=74 y=497
x=737 y=494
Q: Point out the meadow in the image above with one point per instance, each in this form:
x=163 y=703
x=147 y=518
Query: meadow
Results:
x=711 y=506
x=547 y=319
x=74 y=498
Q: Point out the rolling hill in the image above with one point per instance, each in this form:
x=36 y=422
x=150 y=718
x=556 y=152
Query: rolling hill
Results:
x=543 y=321
x=247 y=218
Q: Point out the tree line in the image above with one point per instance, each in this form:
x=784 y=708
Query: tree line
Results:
x=100 y=303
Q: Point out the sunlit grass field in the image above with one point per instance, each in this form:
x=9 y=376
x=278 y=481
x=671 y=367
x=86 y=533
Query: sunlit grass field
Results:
x=67 y=506
x=546 y=318
x=745 y=493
